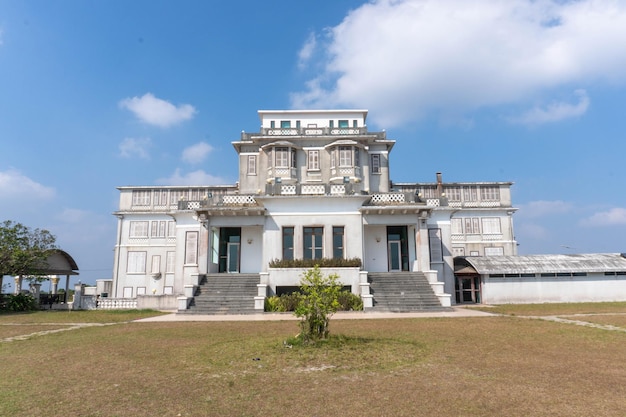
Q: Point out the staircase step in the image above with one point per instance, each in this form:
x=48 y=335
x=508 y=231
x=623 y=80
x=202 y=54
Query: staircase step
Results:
x=225 y=294
x=402 y=292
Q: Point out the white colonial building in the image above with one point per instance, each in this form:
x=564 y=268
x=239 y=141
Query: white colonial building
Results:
x=312 y=184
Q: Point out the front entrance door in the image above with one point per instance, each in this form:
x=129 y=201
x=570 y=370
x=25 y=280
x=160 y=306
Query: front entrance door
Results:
x=230 y=248
x=394 y=255
x=397 y=248
x=232 y=257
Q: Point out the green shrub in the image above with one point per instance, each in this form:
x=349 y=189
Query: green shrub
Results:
x=20 y=302
x=349 y=302
x=310 y=263
x=289 y=302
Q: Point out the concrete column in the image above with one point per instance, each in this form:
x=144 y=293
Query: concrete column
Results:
x=35 y=289
x=18 y=285
x=54 y=280
x=422 y=254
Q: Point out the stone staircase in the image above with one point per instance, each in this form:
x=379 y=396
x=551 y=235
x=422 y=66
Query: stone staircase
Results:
x=402 y=292
x=225 y=294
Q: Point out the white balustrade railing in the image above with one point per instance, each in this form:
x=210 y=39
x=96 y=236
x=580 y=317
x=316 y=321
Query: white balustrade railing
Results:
x=117 y=303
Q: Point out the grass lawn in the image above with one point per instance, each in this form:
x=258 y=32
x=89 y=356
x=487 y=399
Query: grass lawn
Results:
x=488 y=366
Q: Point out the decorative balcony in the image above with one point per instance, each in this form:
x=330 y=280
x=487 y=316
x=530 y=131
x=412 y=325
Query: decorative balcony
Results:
x=314 y=131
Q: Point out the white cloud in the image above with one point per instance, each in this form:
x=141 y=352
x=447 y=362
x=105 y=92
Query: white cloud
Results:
x=131 y=147
x=555 y=112
x=613 y=217
x=16 y=187
x=531 y=231
x=198 y=177
x=307 y=50
x=196 y=153
x=542 y=208
x=156 y=111
x=404 y=59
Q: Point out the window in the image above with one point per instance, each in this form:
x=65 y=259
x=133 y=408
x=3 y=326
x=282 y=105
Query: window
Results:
x=171 y=228
x=453 y=193
x=136 y=262
x=345 y=156
x=313 y=238
x=288 y=243
x=141 y=197
x=313 y=158
x=285 y=124
x=469 y=194
x=490 y=193
x=170 y=262
x=156 y=264
x=331 y=123
x=160 y=197
x=272 y=124
x=456 y=226
x=293 y=158
x=191 y=248
x=375 y=163
x=458 y=251
x=251 y=164
x=298 y=125
x=491 y=226
x=282 y=157
x=343 y=124
x=177 y=195
x=472 y=225
x=338 y=243
x=435 y=244
x=354 y=124
x=494 y=251
x=157 y=228
x=138 y=229
x=429 y=192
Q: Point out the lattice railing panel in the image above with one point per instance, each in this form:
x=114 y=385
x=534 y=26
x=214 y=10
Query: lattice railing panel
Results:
x=238 y=200
x=336 y=189
x=313 y=189
x=389 y=198
x=288 y=189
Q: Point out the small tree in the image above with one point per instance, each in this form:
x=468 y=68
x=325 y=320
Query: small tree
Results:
x=319 y=302
x=23 y=251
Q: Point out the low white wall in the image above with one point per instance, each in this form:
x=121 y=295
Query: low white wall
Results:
x=279 y=277
x=591 y=288
x=158 y=302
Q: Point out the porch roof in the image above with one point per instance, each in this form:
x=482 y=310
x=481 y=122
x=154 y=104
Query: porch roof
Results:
x=536 y=264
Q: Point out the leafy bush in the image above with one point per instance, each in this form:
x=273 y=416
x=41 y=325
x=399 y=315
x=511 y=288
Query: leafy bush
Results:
x=349 y=302
x=289 y=302
x=20 y=302
x=283 y=303
x=311 y=263
x=318 y=304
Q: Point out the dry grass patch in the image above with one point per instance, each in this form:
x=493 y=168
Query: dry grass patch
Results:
x=490 y=366
x=554 y=309
x=610 y=319
x=81 y=316
x=12 y=330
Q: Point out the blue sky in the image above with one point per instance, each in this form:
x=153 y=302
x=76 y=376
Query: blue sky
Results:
x=100 y=94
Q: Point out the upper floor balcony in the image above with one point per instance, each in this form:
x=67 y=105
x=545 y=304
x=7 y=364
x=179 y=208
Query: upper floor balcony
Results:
x=279 y=189
x=314 y=131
